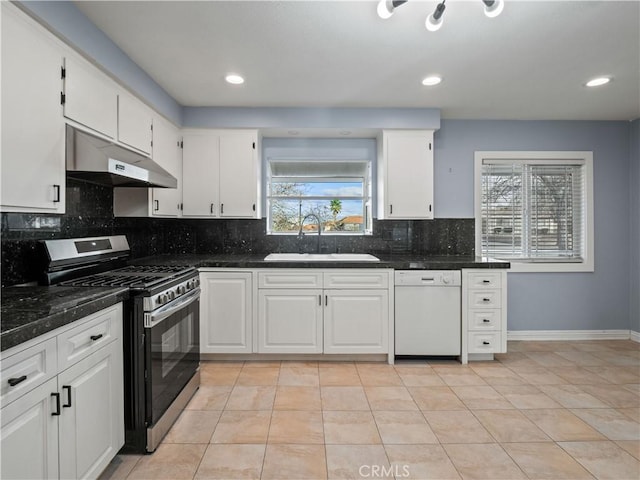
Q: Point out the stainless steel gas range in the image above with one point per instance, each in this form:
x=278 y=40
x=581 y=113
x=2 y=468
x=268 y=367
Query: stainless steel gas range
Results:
x=161 y=329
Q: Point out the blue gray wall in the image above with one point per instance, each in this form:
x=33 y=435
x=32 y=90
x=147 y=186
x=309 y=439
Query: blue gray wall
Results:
x=558 y=301
x=599 y=300
x=634 y=242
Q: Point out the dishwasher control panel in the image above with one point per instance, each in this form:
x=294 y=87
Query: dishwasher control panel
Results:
x=442 y=278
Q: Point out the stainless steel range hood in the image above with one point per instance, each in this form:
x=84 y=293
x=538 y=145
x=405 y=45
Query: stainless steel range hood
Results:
x=96 y=160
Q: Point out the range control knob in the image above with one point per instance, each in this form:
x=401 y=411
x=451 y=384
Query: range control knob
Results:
x=181 y=289
x=163 y=298
x=171 y=294
x=446 y=279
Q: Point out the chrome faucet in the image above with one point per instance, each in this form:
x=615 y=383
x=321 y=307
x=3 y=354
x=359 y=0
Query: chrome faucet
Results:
x=301 y=235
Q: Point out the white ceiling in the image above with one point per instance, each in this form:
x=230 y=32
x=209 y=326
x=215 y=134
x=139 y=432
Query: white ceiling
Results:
x=531 y=62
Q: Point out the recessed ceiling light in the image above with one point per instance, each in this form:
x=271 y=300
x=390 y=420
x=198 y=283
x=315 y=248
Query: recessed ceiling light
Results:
x=431 y=81
x=596 y=82
x=234 y=79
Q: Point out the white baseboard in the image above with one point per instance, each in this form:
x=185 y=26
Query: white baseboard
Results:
x=573 y=335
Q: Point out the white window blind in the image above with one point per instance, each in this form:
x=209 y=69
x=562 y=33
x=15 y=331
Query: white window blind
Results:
x=533 y=210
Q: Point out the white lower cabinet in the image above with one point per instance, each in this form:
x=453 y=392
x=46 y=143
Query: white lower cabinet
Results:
x=226 y=312
x=91 y=422
x=290 y=321
x=69 y=423
x=356 y=321
x=29 y=435
x=323 y=311
x=484 y=314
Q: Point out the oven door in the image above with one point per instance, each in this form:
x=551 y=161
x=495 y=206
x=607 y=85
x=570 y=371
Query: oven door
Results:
x=172 y=343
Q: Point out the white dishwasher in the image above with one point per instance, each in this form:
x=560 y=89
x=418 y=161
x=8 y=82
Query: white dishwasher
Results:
x=427 y=312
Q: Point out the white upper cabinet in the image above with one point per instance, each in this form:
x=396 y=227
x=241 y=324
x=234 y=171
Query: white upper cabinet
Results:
x=220 y=174
x=238 y=175
x=155 y=202
x=200 y=175
x=33 y=163
x=90 y=97
x=134 y=123
x=405 y=186
x=168 y=154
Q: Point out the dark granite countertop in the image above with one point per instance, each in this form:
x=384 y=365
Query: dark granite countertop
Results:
x=256 y=260
x=28 y=312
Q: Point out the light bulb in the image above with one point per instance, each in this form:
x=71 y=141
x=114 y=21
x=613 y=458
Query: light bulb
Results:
x=431 y=81
x=596 y=82
x=493 y=8
x=234 y=79
x=434 y=21
x=385 y=9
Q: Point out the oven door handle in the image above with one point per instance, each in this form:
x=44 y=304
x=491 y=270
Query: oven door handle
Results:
x=154 y=318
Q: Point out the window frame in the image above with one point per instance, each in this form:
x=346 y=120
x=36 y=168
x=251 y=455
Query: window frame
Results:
x=367 y=194
x=555 y=265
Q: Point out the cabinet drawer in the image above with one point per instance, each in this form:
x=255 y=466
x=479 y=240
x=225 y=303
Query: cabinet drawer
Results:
x=290 y=279
x=485 y=319
x=100 y=329
x=356 y=279
x=485 y=280
x=480 y=342
x=27 y=369
x=485 y=298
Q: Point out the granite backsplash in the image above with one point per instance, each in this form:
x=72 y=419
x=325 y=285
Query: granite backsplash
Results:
x=90 y=213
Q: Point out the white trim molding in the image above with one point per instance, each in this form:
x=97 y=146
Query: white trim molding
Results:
x=584 y=158
x=541 y=335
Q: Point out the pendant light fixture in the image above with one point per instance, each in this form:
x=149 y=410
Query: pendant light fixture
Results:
x=387 y=7
x=492 y=8
x=434 y=21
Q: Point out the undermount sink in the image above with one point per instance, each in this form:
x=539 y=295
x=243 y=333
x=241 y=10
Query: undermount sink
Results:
x=321 y=257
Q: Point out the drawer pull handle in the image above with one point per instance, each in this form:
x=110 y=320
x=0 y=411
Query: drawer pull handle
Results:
x=486 y=281
x=95 y=337
x=485 y=300
x=486 y=343
x=486 y=320
x=57 y=412
x=68 y=389
x=15 y=381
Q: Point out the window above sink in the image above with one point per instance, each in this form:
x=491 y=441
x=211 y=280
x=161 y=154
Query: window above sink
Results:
x=336 y=194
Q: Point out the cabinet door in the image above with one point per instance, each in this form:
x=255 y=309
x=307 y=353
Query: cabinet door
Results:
x=226 y=312
x=356 y=321
x=289 y=321
x=29 y=435
x=409 y=175
x=238 y=175
x=200 y=175
x=167 y=153
x=33 y=163
x=90 y=98
x=92 y=419
x=134 y=123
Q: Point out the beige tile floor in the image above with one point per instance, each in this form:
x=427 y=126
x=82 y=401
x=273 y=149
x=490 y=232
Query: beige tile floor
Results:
x=545 y=410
